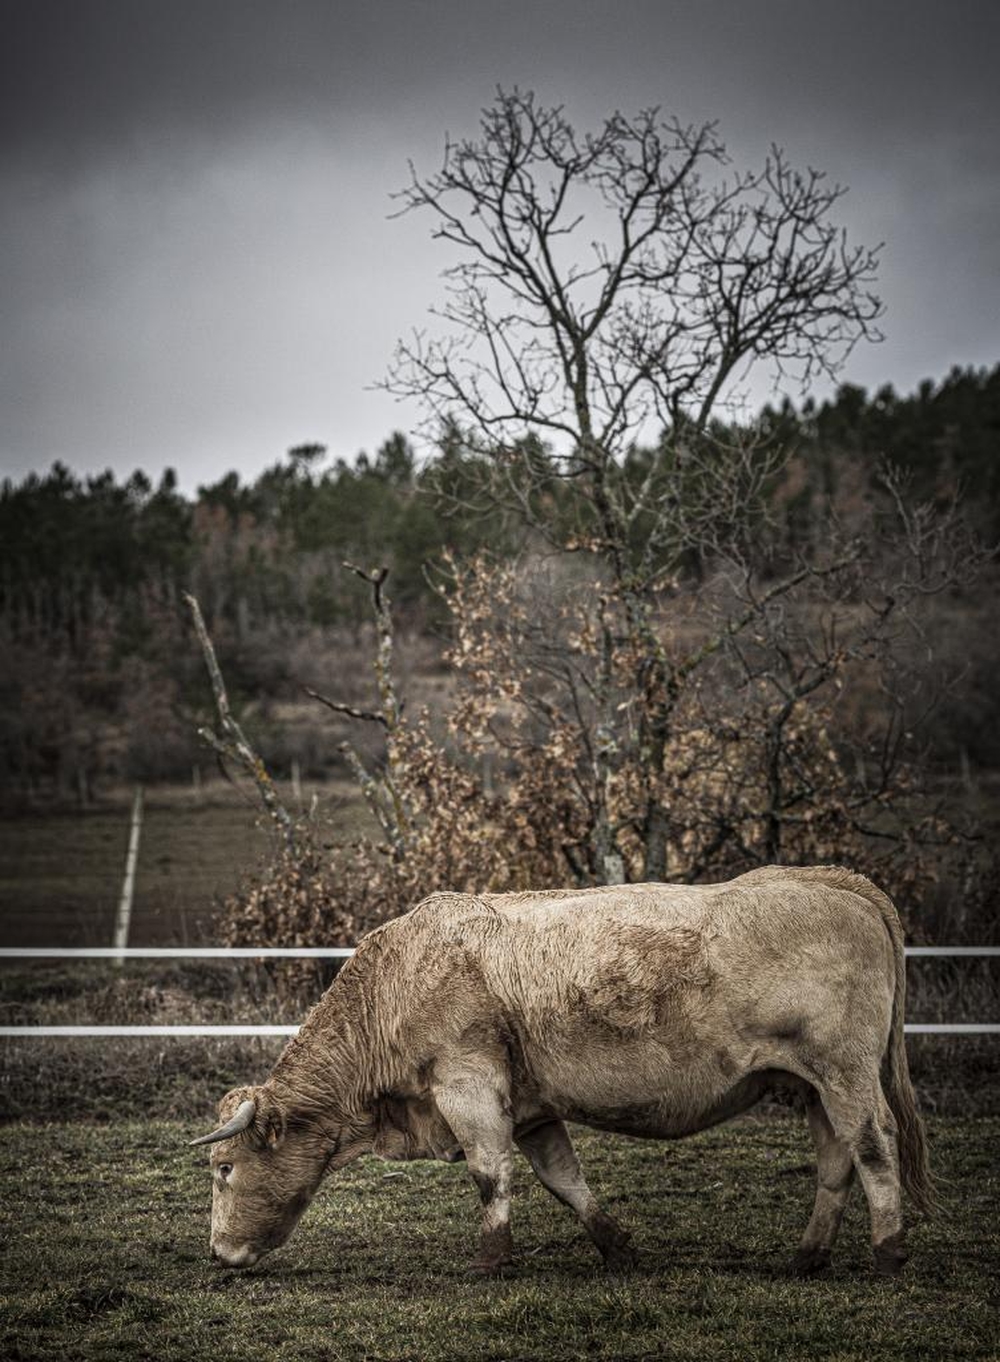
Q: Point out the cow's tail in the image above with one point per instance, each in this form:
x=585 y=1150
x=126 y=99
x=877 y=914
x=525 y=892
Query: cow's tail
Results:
x=914 y=1166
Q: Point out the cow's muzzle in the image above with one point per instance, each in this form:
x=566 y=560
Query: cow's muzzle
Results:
x=228 y=1255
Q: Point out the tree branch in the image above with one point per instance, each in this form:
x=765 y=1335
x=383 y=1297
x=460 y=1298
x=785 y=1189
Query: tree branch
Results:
x=233 y=744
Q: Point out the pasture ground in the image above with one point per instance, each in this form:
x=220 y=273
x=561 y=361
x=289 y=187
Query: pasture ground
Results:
x=61 y=871
x=105 y=1235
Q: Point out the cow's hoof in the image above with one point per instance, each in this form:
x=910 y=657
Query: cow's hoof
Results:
x=490 y=1267
x=807 y=1262
x=890 y=1255
x=496 y=1252
x=613 y=1243
x=620 y=1257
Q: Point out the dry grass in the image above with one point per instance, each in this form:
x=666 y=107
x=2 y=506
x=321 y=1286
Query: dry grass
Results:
x=105 y=1079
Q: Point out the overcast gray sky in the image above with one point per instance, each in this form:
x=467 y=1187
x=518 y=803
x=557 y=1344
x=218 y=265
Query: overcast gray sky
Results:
x=196 y=263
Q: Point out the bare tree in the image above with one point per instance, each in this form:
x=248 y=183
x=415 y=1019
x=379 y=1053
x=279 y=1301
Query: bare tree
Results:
x=584 y=339
x=607 y=284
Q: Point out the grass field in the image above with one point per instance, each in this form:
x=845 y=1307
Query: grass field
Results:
x=105 y=1231
x=61 y=872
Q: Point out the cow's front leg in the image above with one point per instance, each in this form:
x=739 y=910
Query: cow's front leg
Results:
x=550 y=1152
x=479 y=1116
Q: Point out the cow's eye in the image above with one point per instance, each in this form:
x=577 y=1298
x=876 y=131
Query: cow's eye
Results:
x=224 y=1169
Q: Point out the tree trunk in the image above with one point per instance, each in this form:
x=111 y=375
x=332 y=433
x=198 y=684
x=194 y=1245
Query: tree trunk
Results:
x=655 y=837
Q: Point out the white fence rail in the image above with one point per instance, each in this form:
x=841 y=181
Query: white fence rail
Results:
x=178 y=952
x=342 y=953
x=911 y=1029
x=297 y=952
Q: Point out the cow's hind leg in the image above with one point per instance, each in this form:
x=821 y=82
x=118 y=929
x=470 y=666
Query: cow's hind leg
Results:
x=478 y=1115
x=551 y=1154
x=834 y=1174
x=860 y=1117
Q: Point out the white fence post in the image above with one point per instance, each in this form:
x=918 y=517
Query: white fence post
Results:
x=124 y=917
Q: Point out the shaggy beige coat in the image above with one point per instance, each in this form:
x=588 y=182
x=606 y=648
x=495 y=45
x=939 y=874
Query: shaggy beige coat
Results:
x=474 y=1023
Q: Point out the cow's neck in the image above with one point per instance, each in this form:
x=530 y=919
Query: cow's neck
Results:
x=330 y=1072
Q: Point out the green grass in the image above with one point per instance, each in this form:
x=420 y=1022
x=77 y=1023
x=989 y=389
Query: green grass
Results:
x=105 y=1231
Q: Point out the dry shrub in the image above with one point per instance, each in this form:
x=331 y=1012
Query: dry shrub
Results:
x=764 y=761
x=445 y=827
x=453 y=836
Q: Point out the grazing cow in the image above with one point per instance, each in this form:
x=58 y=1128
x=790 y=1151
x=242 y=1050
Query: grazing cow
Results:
x=474 y=1023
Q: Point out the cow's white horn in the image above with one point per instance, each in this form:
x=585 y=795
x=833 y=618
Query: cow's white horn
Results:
x=245 y=1113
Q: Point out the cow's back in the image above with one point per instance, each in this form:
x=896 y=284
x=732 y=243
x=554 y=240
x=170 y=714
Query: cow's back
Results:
x=654 y=1000
x=655 y=941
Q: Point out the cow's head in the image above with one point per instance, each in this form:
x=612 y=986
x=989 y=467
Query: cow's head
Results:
x=265 y=1171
